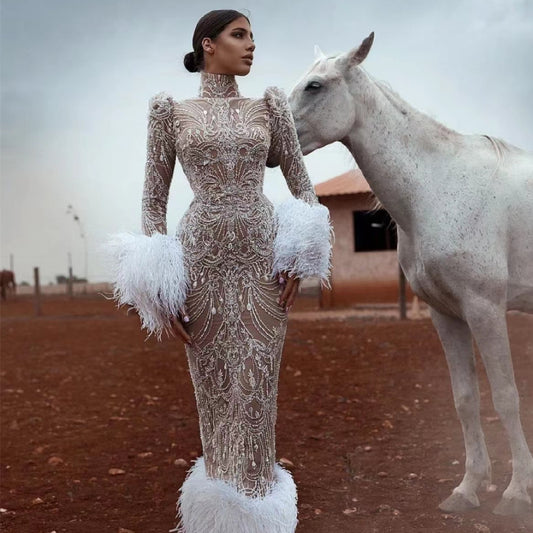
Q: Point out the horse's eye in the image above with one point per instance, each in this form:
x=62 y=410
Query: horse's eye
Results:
x=313 y=85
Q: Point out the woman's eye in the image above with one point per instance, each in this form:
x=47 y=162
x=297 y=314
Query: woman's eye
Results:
x=240 y=34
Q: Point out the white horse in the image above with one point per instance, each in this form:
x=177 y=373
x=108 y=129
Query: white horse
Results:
x=463 y=205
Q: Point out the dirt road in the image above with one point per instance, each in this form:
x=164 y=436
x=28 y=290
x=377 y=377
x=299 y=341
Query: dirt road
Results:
x=99 y=426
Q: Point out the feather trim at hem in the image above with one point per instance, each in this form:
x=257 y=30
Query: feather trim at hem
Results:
x=148 y=273
x=208 y=505
x=303 y=240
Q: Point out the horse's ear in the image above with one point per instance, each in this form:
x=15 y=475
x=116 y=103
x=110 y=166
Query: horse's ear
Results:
x=318 y=53
x=357 y=56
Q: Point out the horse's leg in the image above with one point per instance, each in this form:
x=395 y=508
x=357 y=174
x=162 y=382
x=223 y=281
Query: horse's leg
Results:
x=489 y=327
x=456 y=340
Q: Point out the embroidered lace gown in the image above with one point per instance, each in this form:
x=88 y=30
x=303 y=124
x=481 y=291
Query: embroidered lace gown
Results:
x=229 y=250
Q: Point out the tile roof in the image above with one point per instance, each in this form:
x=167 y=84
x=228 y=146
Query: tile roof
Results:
x=351 y=182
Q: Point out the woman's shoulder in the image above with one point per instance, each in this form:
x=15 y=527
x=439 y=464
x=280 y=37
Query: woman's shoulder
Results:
x=276 y=99
x=161 y=102
x=273 y=91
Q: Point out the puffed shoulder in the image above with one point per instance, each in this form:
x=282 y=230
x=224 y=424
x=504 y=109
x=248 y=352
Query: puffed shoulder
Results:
x=276 y=100
x=161 y=105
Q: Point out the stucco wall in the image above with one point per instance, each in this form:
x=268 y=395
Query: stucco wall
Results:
x=357 y=276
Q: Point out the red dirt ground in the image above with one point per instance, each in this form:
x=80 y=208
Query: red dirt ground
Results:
x=365 y=414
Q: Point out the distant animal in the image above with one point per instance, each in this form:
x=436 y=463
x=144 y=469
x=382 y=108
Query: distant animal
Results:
x=7 y=283
x=463 y=205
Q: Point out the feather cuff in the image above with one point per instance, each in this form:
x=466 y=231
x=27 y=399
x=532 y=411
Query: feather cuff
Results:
x=303 y=240
x=148 y=273
x=209 y=505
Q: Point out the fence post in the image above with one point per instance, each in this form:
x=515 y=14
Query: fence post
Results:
x=70 y=282
x=37 y=298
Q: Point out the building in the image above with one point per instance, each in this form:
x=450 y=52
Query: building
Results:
x=365 y=261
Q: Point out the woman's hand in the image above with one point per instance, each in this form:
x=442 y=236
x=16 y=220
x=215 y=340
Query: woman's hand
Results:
x=290 y=291
x=178 y=327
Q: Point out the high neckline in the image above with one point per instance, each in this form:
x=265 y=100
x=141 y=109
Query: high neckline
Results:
x=216 y=85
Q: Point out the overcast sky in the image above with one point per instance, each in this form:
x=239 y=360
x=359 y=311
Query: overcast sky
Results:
x=76 y=77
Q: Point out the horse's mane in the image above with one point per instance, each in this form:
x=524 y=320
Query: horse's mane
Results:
x=376 y=204
x=400 y=104
x=500 y=145
x=405 y=108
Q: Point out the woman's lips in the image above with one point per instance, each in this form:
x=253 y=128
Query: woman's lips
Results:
x=250 y=61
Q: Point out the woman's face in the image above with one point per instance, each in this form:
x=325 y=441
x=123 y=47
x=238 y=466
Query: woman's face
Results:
x=227 y=54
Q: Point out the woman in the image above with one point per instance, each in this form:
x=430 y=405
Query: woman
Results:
x=225 y=282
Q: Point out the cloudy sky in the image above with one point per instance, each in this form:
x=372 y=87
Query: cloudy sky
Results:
x=76 y=76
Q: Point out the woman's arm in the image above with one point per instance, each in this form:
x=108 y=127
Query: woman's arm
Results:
x=160 y=162
x=304 y=235
x=285 y=148
x=148 y=269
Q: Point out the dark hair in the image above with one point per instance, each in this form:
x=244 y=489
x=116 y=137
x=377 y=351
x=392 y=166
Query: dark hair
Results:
x=210 y=25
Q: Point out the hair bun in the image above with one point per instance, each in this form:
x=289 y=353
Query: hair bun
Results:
x=189 y=60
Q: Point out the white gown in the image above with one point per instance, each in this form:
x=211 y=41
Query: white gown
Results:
x=232 y=242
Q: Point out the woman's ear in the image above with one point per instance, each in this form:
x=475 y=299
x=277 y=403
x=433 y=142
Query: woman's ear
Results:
x=207 y=45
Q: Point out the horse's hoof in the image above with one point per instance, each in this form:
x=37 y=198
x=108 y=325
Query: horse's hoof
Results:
x=512 y=506
x=458 y=503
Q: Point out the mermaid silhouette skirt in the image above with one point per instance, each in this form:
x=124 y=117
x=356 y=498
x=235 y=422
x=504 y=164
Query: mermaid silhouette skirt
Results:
x=238 y=329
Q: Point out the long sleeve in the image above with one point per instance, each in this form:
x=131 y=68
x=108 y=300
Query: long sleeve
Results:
x=285 y=148
x=147 y=270
x=160 y=162
x=304 y=234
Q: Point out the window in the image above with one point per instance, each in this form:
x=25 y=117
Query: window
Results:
x=374 y=230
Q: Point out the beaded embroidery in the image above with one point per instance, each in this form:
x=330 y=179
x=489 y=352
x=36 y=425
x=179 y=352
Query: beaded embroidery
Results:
x=223 y=142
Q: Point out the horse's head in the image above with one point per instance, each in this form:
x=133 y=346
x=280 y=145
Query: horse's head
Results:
x=322 y=102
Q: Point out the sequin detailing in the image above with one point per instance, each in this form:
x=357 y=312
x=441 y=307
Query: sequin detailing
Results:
x=223 y=142
x=213 y=85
